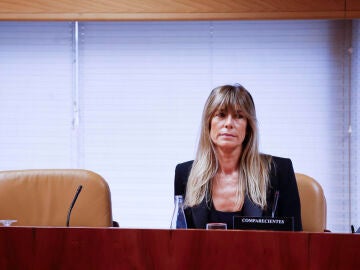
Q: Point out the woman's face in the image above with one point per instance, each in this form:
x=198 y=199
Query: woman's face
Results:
x=228 y=129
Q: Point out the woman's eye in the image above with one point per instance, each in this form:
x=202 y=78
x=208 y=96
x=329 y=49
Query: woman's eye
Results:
x=220 y=114
x=239 y=115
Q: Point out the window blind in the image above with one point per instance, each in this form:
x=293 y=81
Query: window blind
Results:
x=35 y=95
x=141 y=87
x=295 y=71
x=144 y=84
x=355 y=126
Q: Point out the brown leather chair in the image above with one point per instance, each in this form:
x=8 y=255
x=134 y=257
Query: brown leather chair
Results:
x=43 y=198
x=313 y=203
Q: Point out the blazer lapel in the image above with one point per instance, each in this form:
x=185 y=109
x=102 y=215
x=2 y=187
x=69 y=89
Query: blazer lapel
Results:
x=250 y=209
x=200 y=215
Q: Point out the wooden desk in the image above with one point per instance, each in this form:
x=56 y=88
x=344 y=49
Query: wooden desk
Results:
x=114 y=248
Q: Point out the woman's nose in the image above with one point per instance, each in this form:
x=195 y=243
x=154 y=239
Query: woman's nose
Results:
x=229 y=121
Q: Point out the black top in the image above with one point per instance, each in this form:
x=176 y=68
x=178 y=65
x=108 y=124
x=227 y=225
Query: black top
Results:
x=223 y=217
x=282 y=179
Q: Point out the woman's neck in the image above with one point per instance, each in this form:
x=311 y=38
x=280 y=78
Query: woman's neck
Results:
x=228 y=160
x=226 y=182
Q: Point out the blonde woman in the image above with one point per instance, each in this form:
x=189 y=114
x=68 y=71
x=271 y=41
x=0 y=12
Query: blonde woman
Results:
x=229 y=176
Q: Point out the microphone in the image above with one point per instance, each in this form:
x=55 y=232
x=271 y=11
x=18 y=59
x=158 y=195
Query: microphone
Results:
x=72 y=205
x=274 y=206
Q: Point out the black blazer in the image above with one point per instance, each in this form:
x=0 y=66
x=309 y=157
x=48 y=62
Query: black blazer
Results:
x=282 y=178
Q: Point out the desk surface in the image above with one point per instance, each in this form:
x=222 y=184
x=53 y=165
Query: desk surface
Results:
x=114 y=248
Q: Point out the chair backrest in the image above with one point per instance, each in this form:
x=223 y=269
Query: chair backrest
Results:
x=43 y=198
x=313 y=203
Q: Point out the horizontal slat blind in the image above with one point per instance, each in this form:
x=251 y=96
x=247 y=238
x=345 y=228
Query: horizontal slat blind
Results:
x=355 y=123
x=143 y=87
x=295 y=72
x=35 y=95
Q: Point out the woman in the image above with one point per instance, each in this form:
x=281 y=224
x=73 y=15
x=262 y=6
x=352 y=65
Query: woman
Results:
x=229 y=176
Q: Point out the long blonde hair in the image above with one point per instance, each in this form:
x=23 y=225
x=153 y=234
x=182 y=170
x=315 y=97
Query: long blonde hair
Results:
x=254 y=167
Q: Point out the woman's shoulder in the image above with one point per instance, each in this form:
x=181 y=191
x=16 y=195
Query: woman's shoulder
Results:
x=281 y=170
x=281 y=173
x=184 y=166
x=281 y=161
x=182 y=172
x=279 y=165
x=276 y=160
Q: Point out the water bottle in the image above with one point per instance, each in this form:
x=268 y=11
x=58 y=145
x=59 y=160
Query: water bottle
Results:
x=178 y=220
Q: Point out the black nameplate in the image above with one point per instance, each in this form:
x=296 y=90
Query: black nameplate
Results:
x=264 y=223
